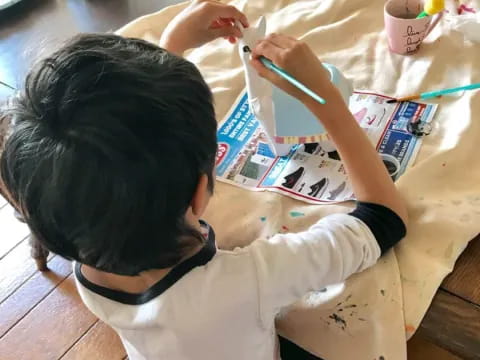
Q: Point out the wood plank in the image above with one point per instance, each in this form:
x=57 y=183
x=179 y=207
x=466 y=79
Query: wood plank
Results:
x=15 y=268
x=13 y=231
x=453 y=324
x=99 y=343
x=464 y=280
x=51 y=328
x=17 y=305
x=420 y=349
x=29 y=23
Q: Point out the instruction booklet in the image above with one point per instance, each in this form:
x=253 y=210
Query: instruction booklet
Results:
x=309 y=172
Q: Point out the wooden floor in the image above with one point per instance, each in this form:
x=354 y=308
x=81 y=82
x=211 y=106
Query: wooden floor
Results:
x=42 y=317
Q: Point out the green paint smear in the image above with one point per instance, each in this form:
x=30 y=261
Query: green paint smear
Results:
x=295 y=214
x=263 y=218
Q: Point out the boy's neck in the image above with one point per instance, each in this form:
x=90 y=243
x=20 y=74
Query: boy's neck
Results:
x=129 y=284
x=146 y=279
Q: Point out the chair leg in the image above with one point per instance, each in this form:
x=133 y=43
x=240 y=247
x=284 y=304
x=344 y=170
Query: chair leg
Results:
x=37 y=251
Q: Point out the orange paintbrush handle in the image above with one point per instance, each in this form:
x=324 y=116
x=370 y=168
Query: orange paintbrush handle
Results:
x=408 y=98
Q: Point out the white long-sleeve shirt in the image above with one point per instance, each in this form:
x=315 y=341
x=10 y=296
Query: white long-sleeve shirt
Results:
x=220 y=305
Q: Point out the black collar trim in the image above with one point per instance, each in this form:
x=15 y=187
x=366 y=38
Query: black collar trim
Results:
x=199 y=259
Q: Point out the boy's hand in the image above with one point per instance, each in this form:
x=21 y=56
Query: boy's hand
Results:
x=368 y=175
x=299 y=61
x=202 y=21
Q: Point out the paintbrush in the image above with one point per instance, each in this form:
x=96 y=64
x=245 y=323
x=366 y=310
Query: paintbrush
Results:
x=432 y=7
x=281 y=72
x=5 y=84
x=432 y=94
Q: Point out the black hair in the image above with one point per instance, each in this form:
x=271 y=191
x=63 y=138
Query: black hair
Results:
x=111 y=136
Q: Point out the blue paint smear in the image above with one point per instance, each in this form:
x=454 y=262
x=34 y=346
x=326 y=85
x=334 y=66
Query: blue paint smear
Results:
x=295 y=214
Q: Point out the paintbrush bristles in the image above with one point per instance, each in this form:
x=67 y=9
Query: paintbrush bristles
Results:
x=406 y=98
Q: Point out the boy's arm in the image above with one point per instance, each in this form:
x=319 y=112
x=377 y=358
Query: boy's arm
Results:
x=290 y=265
x=368 y=175
x=339 y=245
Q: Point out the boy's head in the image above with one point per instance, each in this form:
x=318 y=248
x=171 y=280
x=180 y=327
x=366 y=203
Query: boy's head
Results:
x=114 y=143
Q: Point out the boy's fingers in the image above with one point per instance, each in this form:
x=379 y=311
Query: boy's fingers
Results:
x=263 y=71
x=258 y=66
x=226 y=12
x=269 y=50
x=215 y=24
x=218 y=23
x=227 y=31
x=282 y=41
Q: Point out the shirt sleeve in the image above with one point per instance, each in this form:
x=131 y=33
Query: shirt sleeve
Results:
x=386 y=225
x=290 y=265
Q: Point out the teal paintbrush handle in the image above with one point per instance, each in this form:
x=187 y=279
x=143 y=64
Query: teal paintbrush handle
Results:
x=431 y=94
x=271 y=66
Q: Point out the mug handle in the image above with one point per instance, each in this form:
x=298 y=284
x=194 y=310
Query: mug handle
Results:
x=434 y=23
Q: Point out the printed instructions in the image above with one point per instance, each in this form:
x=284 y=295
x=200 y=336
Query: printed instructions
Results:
x=309 y=172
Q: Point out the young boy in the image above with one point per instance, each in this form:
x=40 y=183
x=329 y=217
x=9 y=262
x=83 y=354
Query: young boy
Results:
x=111 y=162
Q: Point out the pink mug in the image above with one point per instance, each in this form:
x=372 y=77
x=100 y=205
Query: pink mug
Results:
x=405 y=33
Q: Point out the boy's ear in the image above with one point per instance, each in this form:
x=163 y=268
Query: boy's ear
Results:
x=201 y=196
